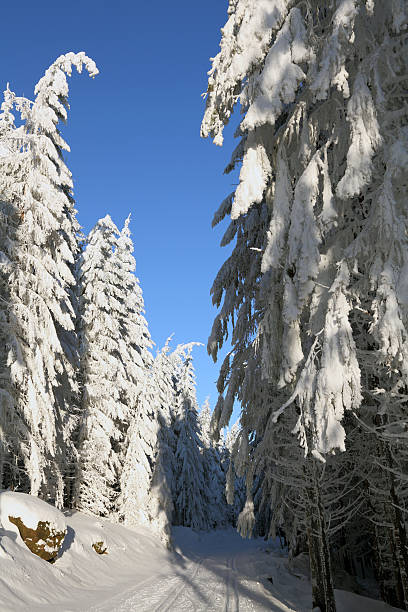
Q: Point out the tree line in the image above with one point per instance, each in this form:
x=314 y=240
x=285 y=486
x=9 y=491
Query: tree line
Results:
x=89 y=418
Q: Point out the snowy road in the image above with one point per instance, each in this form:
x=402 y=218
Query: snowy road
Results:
x=221 y=572
x=212 y=572
x=218 y=573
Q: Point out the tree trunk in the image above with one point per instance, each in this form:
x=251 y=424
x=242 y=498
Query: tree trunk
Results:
x=319 y=554
x=330 y=603
x=318 y=597
x=380 y=565
x=398 y=544
x=399 y=539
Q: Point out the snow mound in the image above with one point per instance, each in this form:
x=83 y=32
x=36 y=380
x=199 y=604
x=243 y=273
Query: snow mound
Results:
x=350 y=602
x=30 y=510
x=80 y=578
x=40 y=526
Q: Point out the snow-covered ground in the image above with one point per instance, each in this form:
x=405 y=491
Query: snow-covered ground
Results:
x=214 y=571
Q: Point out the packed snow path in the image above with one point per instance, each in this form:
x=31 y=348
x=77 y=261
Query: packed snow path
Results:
x=221 y=572
x=213 y=572
x=208 y=572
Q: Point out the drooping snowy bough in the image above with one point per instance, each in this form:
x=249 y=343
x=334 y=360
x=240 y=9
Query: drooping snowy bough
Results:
x=315 y=289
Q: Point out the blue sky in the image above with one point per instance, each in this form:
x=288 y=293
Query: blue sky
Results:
x=135 y=143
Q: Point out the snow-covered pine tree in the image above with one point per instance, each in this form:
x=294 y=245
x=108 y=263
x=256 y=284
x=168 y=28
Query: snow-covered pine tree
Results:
x=204 y=421
x=135 y=479
x=214 y=474
x=40 y=361
x=165 y=373
x=102 y=409
x=133 y=323
x=133 y=504
x=235 y=488
x=189 y=499
x=164 y=398
x=114 y=366
x=320 y=227
x=13 y=451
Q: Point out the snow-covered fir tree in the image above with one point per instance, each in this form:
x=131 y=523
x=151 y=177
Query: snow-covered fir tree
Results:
x=204 y=420
x=39 y=246
x=135 y=481
x=235 y=488
x=189 y=496
x=134 y=505
x=214 y=474
x=13 y=452
x=166 y=443
x=164 y=375
x=316 y=284
x=102 y=409
x=114 y=366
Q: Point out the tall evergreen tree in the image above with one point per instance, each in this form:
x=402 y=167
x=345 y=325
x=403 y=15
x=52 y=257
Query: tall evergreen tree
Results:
x=235 y=488
x=164 y=375
x=39 y=365
x=103 y=412
x=315 y=287
x=114 y=365
x=214 y=475
x=134 y=505
x=135 y=480
x=189 y=500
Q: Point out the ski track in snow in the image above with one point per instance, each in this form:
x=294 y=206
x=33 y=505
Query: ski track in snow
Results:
x=170 y=601
x=214 y=582
x=232 y=597
x=206 y=572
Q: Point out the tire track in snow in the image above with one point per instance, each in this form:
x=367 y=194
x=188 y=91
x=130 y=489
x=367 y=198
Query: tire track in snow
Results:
x=167 y=603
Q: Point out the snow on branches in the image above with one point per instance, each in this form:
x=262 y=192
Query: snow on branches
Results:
x=317 y=205
x=115 y=360
x=329 y=383
x=244 y=44
x=40 y=238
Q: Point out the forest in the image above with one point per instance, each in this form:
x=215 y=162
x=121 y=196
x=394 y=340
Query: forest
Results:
x=312 y=305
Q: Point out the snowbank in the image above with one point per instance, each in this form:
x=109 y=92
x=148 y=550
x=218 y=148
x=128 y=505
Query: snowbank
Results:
x=30 y=509
x=80 y=579
x=349 y=602
x=40 y=526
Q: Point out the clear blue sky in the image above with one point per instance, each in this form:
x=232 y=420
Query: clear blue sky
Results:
x=135 y=143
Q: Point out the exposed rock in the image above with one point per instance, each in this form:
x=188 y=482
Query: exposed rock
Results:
x=38 y=525
x=100 y=548
x=44 y=541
